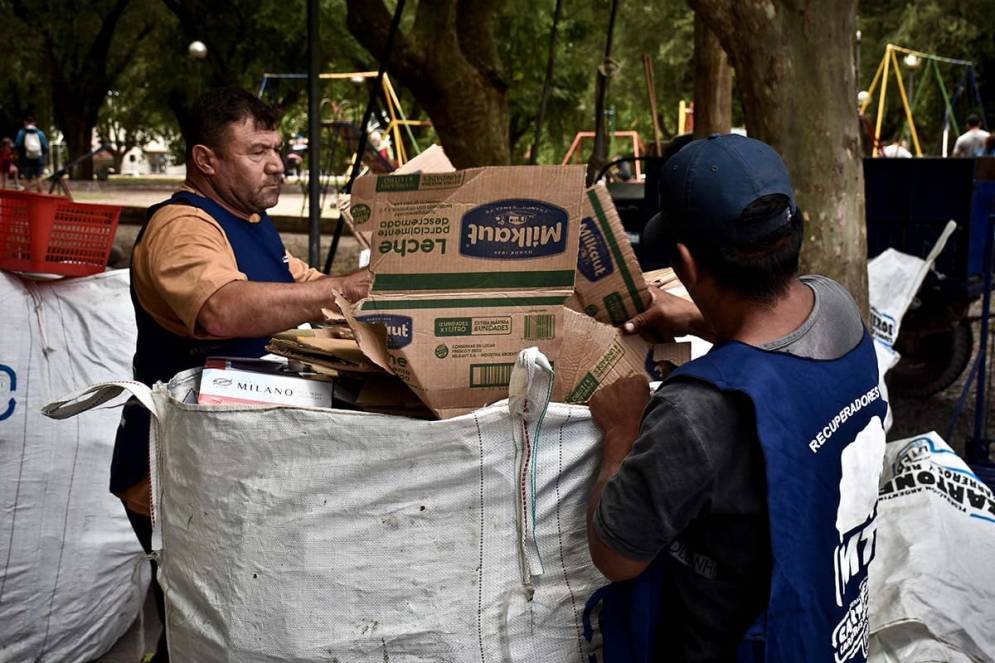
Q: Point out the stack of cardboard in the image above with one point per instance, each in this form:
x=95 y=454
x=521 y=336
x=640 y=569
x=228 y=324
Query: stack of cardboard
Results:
x=471 y=267
x=328 y=351
x=331 y=353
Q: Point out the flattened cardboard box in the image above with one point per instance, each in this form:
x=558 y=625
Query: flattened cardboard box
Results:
x=470 y=268
x=322 y=349
x=594 y=355
x=463 y=356
x=432 y=160
x=501 y=228
x=610 y=286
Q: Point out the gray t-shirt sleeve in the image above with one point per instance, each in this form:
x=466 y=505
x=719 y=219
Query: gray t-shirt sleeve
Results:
x=663 y=484
x=832 y=329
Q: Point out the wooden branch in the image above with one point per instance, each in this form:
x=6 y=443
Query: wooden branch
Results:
x=435 y=29
x=725 y=17
x=369 y=22
x=101 y=44
x=124 y=62
x=475 y=30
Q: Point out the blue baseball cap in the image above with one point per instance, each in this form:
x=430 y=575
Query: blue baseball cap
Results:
x=705 y=188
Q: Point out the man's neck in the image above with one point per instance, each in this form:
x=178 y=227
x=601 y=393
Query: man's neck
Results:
x=754 y=323
x=204 y=188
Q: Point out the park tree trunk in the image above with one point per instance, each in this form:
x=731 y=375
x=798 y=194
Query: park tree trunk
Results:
x=712 y=83
x=80 y=71
x=77 y=130
x=795 y=72
x=449 y=62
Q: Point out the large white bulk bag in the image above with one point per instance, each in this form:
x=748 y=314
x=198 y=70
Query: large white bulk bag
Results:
x=67 y=551
x=932 y=581
x=307 y=534
x=893 y=279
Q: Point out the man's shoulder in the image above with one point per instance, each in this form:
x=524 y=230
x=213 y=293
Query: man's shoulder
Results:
x=692 y=402
x=834 y=327
x=179 y=217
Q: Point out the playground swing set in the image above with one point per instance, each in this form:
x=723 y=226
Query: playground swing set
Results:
x=348 y=132
x=397 y=120
x=913 y=58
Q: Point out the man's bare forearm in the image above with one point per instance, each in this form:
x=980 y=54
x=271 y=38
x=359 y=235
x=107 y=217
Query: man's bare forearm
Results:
x=247 y=309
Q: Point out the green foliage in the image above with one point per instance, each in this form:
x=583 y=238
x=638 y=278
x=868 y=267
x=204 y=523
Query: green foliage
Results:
x=246 y=39
x=155 y=80
x=664 y=30
x=24 y=88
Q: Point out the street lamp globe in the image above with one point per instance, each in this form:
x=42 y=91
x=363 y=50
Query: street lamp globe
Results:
x=197 y=50
x=912 y=61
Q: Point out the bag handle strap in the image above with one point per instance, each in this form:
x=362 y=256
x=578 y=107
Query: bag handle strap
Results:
x=98 y=394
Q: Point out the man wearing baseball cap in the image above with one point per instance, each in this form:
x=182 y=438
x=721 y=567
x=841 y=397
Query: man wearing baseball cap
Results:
x=735 y=506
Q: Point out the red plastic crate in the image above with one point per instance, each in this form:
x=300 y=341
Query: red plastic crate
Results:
x=54 y=235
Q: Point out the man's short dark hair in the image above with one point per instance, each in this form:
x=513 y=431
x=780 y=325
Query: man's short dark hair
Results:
x=973 y=120
x=759 y=270
x=220 y=107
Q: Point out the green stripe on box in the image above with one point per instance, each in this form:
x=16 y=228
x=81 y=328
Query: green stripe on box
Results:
x=584 y=389
x=398 y=182
x=615 y=308
x=473 y=280
x=490 y=302
x=606 y=229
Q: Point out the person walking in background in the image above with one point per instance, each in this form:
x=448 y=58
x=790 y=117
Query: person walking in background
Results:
x=897 y=150
x=971 y=143
x=32 y=148
x=8 y=167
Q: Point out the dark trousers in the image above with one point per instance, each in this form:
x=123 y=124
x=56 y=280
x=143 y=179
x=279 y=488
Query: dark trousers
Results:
x=143 y=530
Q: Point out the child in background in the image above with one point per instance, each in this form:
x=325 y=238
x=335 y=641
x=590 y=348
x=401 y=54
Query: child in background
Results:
x=8 y=165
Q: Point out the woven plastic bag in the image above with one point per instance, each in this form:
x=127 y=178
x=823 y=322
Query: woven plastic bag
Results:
x=67 y=552
x=306 y=534
x=932 y=581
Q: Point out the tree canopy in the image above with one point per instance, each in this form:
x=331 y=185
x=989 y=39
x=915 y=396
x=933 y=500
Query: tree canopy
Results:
x=122 y=65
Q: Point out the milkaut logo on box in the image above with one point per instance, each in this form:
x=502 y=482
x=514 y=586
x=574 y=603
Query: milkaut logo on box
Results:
x=514 y=229
x=399 y=328
x=594 y=259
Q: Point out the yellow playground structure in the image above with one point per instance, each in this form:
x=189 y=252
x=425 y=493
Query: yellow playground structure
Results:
x=914 y=60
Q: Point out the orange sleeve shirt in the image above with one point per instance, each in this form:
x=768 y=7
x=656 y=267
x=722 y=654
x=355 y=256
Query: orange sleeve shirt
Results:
x=184 y=258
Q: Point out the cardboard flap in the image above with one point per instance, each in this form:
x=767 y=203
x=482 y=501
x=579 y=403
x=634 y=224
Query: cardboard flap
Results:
x=595 y=355
x=432 y=160
x=610 y=286
x=498 y=228
x=371 y=339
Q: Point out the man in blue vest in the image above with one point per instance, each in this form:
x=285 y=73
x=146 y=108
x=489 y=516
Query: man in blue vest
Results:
x=210 y=275
x=741 y=496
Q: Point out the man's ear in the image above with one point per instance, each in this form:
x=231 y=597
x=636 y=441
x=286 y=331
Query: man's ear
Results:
x=686 y=266
x=205 y=159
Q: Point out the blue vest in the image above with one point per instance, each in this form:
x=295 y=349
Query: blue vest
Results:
x=818 y=422
x=161 y=354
